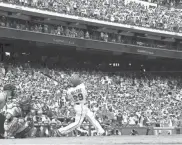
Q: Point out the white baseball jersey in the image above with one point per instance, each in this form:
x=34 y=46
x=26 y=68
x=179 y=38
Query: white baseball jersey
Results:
x=78 y=94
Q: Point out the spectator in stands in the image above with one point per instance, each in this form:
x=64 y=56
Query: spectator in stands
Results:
x=130 y=13
x=80 y=33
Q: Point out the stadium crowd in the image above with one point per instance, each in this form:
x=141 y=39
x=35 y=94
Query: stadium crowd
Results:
x=117 y=100
x=92 y=34
x=120 y=99
x=118 y=11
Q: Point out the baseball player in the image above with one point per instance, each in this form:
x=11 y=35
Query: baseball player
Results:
x=78 y=95
x=15 y=124
x=8 y=109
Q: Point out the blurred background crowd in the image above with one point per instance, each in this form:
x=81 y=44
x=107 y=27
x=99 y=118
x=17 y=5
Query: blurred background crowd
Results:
x=117 y=99
x=118 y=11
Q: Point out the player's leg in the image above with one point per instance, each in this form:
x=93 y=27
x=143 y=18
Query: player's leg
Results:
x=95 y=123
x=11 y=127
x=80 y=115
x=24 y=128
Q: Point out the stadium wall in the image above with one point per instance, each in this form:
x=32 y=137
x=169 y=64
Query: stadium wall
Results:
x=76 y=42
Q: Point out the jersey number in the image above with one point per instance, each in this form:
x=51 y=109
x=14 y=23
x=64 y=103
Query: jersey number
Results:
x=78 y=97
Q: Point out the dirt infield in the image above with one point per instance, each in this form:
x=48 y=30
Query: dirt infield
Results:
x=111 y=140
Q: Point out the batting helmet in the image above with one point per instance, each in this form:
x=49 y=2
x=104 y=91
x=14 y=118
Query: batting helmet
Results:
x=75 y=80
x=9 y=87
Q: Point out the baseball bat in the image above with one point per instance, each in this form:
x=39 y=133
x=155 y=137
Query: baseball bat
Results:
x=50 y=77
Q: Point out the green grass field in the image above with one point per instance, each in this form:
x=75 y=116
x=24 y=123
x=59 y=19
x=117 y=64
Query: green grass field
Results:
x=111 y=140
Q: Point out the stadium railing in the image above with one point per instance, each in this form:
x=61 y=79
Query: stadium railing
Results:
x=86 y=43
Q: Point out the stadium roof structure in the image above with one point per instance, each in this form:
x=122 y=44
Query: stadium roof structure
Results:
x=15 y=34
x=38 y=16
x=84 y=21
